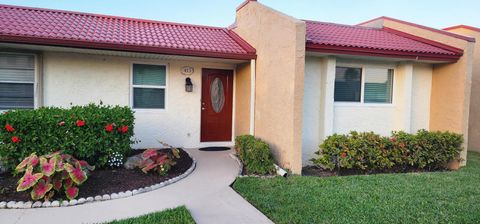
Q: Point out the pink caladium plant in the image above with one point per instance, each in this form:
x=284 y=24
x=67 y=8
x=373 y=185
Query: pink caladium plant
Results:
x=76 y=173
x=48 y=166
x=40 y=189
x=28 y=180
x=52 y=173
x=31 y=160
x=71 y=192
x=159 y=161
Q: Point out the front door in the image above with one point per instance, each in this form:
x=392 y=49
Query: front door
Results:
x=217 y=97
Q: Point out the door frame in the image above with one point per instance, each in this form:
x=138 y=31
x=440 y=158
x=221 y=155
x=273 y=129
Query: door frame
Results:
x=231 y=143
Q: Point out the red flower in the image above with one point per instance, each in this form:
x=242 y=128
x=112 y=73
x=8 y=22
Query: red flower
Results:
x=343 y=155
x=9 y=128
x=80 y=123
x=16 y=139
x=109 y=127
x=123 y=129
x=61 y=123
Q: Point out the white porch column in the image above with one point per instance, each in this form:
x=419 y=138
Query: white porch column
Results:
x=403 y=96
x=327 y=87
x=252 y=96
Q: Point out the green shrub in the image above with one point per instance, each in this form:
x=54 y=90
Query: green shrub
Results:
x=255 y=154
x=92 y=133
x=369 y=151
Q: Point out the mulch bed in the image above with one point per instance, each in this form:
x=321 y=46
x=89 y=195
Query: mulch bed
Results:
x=321 y=172
x=100 y=182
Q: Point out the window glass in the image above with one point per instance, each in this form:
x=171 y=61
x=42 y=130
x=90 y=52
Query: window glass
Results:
x=149 y=86
x=17 y=78
x=149 y=75
x=378 y=85
x=348 y=84
x=147 y=98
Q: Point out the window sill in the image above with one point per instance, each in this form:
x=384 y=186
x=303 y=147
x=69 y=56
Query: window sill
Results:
x=149 y=111
x=367 y=105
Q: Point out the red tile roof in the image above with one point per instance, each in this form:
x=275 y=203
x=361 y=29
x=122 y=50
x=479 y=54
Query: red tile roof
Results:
x=85 y=30
x=345 y=39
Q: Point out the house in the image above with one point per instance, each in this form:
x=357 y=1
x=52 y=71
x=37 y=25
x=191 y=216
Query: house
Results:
x=474 y=120
x=314 y=79
x=61 y=58
x=290 y=82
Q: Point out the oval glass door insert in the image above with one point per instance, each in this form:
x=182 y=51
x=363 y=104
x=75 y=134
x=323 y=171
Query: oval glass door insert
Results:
x=217 y=95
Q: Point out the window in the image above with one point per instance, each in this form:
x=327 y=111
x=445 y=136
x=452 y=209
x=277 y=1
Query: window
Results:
x=17 y=80
x=348 y=84
x=376 y=85
x=149 y=82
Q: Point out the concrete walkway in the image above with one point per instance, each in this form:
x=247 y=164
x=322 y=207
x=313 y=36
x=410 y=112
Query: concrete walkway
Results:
x=205 y=192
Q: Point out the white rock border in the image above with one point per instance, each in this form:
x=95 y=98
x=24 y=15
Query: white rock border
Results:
x=105 y=197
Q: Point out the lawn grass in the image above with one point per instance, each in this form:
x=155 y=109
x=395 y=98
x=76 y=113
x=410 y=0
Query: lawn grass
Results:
x=440 y=197
x=169 y=216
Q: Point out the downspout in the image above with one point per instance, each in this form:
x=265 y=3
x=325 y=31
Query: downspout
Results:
x=252 y=95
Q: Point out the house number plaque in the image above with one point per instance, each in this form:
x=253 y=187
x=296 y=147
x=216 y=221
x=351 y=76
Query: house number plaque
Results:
x=187 y=70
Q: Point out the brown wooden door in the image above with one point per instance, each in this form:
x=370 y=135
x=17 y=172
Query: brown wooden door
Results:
x=217 y=97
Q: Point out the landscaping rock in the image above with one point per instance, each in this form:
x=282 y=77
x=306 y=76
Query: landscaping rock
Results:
x=46 y=204
x=114 y=196
x=81 y=200
x=10 y=204
x=134 y=192
x=37 y=204
x=133 y=162
x=105 y=197
x=64 y=203
x=98 y=198
x=55 y=204
x=19 y=204
x=147 y=189
x=72 y=202
x=90 y=199
x=28 y=204
x=121 y=194
x=128 y=193
x=3 y=204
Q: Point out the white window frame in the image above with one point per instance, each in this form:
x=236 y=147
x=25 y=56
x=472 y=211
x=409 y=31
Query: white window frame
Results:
x=362 y=103
x=165 y=87
x=36 y=82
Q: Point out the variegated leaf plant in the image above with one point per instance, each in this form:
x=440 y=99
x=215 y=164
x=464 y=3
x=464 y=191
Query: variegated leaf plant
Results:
x=52 y=173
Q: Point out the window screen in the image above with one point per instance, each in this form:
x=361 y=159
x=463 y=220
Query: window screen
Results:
x=149 y=86
x=17 y=78
x=348 y=84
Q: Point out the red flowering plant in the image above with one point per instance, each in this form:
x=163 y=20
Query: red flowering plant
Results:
x=50 y=174
x=92 y=133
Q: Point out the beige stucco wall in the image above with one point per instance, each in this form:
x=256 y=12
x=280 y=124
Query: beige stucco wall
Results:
x=474 y=121
x=280 y=43
x=451 y=83
x=242 y=99
x=78 y=79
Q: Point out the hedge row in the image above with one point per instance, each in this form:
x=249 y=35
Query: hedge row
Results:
x=92 y=133
x=255 y=154
x=369 y=151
